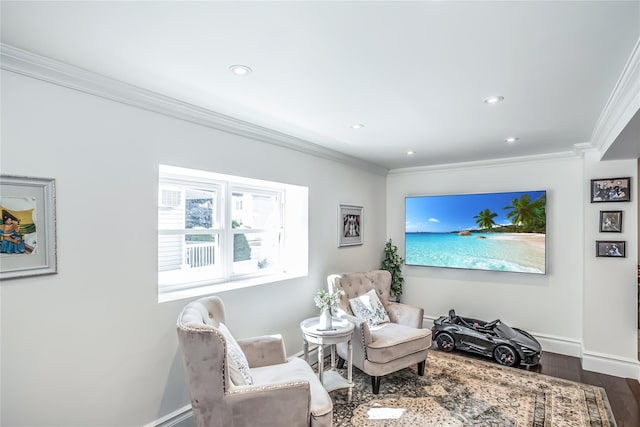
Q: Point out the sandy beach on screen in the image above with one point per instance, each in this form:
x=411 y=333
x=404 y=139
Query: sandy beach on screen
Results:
x=534 y=239
x=535 y=243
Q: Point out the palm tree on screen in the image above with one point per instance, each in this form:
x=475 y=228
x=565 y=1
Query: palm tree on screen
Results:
x=540 y=214
x=522 y=213
x=485 y=219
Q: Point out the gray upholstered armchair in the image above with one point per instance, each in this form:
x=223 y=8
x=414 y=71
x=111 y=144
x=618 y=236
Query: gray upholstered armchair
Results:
x=389 y=346
x=271 y=391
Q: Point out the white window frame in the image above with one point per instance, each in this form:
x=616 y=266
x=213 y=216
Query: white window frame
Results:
x=293 y=229
x=232 y=188
x=181 y=183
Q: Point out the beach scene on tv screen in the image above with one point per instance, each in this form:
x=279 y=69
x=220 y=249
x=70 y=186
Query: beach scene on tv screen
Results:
x=492 y=231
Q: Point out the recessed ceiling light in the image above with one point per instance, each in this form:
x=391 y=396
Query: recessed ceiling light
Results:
x=240 y=70
x=410 y=153
x=357 y=126
x=512 y=139
x=493 y=99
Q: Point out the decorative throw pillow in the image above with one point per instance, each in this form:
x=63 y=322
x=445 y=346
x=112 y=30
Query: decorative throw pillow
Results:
x=368 y=307
x=236 y=360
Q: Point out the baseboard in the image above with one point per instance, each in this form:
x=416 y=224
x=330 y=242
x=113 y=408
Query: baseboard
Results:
x=560 y=345
x=550 y=343
x=427 y=322
x=611 y=365
x=182 y=417
x=591 y=361
x=313 y=354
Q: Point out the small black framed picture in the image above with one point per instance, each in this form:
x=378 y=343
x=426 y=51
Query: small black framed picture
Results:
x=611 y=248
x=611 y=190
x=611 y=221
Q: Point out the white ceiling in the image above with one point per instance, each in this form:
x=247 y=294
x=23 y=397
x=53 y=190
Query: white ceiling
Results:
x=414 y=73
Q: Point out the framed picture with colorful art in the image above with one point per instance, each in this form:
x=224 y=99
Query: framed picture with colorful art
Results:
x=27 y=227
x=349 y=225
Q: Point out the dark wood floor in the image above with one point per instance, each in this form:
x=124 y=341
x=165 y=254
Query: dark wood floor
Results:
x=623 y=394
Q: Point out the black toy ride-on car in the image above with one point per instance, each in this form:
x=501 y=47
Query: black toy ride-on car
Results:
x=508 y=346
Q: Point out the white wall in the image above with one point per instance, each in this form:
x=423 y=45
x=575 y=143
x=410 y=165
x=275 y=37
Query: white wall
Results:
x=550 y=306
x=91 y=345
x=610 y=285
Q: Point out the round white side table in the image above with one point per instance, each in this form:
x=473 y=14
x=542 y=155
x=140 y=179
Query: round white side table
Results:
x=341 y=331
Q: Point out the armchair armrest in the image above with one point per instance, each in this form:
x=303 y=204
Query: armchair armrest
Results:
x=274 y=404
x=264 y=350
x=361 y=338
x=405 y=314
x=361 y=331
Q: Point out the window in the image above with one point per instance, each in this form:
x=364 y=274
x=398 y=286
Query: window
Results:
x=218 y=232
x=170 y=198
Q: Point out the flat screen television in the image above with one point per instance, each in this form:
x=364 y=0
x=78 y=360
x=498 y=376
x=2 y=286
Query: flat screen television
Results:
x=490 y=231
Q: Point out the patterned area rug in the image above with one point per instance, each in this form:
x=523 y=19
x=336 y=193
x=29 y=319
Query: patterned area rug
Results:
x=460 y=391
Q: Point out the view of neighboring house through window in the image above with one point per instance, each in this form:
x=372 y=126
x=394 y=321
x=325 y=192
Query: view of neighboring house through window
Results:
x=256 y=220
x=216 y=228
x=188 y=232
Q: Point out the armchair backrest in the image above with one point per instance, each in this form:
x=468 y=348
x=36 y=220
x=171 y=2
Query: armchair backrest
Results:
x=356 y=284
x=204 y=354
x=207 y=311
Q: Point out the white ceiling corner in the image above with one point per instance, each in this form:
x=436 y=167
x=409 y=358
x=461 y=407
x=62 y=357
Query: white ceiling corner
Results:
x=622 y=105
x=415 y=73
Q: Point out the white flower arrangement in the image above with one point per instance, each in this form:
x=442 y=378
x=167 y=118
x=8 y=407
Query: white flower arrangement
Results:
x=325 y=299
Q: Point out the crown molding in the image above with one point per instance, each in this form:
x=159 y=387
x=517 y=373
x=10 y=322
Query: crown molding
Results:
x=583 y=147
x=621 y=106
x=479 y=164
x=51 y=71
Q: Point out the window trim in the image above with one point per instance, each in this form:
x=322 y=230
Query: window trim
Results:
x=230 y=232
x=293 y=252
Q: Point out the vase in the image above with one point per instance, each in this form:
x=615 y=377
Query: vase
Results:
x=325 y=320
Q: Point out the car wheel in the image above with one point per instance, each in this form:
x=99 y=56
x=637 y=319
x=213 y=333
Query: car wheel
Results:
x=445 y=341
x=505 y=355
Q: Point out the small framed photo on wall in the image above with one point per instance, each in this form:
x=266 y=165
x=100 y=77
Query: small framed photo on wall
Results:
x=611 y=190
x=349 y=225
x=611 y=248
x=611 y=221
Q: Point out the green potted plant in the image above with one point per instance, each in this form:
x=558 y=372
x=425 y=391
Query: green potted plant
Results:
x=392 y=262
